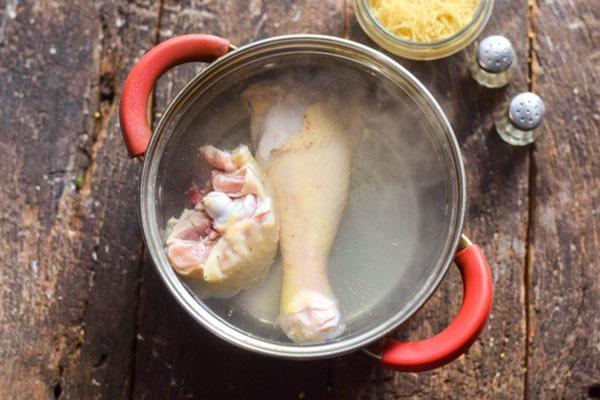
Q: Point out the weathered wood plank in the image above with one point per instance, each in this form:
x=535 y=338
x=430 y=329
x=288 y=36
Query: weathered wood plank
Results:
x=104 y=368
x=44 y=77
x=69 y=237
x=564 y=328
x=497 y=177
x=176 y=358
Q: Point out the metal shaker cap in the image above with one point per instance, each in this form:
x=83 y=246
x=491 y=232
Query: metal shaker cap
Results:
x=495 y=54
x=526 y=111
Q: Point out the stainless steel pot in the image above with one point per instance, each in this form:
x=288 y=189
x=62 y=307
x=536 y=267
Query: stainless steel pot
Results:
x=394 y=256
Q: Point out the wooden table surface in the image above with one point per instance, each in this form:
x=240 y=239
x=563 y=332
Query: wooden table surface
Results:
x=84 y=315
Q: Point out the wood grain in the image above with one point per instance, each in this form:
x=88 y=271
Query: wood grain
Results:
x=564 y=328
x=105 y=366
x=46 y=256
x=69 y=236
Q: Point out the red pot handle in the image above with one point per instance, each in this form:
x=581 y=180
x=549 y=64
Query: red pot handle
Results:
x=142 y=78
x=452 y=342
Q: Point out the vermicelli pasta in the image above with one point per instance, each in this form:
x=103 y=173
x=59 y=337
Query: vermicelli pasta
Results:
x=423 y=21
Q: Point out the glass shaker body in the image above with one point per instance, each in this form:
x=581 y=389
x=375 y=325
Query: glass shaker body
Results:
x=494 y=62
x=513 y=135
x=492 y=80
x=520 y=123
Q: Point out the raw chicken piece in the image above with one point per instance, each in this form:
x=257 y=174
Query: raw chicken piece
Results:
x=230 y=237
x=307 y=158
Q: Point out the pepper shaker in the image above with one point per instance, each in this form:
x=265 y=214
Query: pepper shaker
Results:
x=495 y=62
x=520 y=124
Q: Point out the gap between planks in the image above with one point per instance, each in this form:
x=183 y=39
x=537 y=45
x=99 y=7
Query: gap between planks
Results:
x=532 y=9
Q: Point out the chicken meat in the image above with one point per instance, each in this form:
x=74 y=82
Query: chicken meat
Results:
x=229 y=235
x=306 y=155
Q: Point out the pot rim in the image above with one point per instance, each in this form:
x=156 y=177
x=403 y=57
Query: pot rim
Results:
x=197 y=309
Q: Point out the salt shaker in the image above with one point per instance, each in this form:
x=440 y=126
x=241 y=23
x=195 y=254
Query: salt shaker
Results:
x=520 y=124
x=494 y=62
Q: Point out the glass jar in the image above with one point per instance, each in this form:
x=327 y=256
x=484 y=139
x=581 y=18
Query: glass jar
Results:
x=422 y=51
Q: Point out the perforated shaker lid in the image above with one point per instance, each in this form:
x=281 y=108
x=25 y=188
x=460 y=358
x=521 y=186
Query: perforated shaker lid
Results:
x=526 y=111
x=495 y=54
